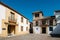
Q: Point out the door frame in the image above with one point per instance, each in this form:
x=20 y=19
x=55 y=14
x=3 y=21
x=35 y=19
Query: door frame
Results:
x=45 y=30
x=10 y=26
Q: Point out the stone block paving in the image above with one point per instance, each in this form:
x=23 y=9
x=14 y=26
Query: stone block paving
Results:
x=31 y=37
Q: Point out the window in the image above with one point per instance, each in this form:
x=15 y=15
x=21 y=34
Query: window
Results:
x=12 y=16
x=26 y=28
x=21 y=19
x=51 y=22
x=26 y=21
x=51 y=28
x=36 y=23
x=21 y=28
x=36 y=15
x=43 y=22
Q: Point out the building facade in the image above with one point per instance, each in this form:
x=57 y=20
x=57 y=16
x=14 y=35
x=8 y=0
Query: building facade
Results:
x=56 y=31
x=12 y=22
x=43 y=25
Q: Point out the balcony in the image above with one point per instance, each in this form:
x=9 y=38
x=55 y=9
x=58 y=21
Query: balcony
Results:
x=44 y=23
x=12 y=19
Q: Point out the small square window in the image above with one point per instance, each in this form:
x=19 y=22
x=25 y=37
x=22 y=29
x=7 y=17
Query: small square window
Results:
x=21 y=19
x=51 y=28
x=36 y=15
x=21 y=28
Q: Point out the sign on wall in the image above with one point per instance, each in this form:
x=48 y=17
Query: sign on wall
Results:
x=3 y=28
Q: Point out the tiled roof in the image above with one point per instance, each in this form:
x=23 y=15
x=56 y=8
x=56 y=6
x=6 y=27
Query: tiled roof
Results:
x=57 y=10
x=38 y=12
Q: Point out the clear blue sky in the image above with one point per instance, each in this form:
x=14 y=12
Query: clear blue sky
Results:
x=26 y=7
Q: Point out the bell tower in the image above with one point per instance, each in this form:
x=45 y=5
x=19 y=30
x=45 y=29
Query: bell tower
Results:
x=36 y=17
x=36 y=21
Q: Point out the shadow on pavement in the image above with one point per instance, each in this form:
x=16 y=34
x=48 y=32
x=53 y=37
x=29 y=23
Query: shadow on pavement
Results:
x=55 y=35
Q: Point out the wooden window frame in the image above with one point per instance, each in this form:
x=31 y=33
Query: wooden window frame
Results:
x=21 y=28
x=36 y=15
x=26 y=21
x=26 y=28
x=21 y=19
x=36 y=23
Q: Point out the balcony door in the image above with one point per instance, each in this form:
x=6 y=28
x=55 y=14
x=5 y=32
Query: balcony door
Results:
x=12 y=16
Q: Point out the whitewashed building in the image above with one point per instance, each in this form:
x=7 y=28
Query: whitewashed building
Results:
x=56 y=31
x=12 y=22
x=43 y=25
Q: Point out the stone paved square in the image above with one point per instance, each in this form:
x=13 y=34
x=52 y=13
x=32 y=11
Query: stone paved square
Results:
x=31 y=37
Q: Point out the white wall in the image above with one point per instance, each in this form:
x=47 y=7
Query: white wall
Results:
x=50 y=31
x=57 y=28
x=19 y=22
x=58 y=21
x=22 y=24
x=36 y=31
x=2 y=16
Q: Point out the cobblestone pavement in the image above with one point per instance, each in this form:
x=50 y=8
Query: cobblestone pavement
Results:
x=31 y=37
